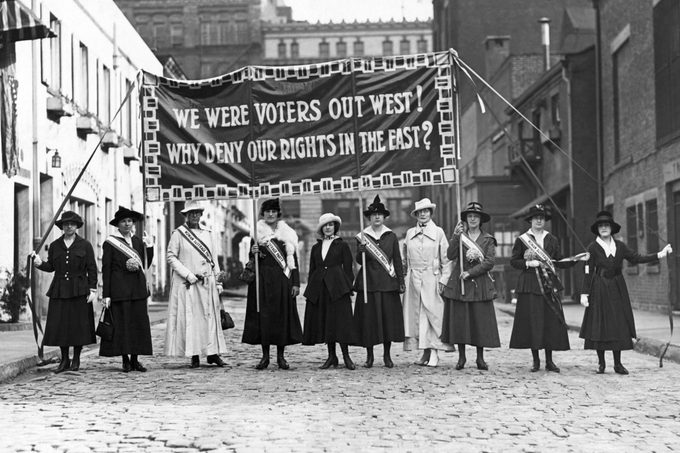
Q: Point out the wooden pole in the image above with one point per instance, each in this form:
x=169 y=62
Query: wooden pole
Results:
x=363 y=255
x=256 y=259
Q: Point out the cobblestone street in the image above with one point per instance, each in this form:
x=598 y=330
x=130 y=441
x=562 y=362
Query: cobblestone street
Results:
x=408 y=408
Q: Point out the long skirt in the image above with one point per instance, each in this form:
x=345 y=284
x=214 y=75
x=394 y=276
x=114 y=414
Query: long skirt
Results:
x=536 y=326
x=381 y=320
x=131 y=329
x=70 y=322
x=329 y=321
x=472 y=323
x=608 y=323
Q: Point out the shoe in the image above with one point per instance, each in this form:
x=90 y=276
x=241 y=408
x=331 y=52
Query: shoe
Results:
x=423 y=359
x=214 y=359
x=348 y=362
x=281 y=362
x=434 y=359
x=550 y=366
x=369 y=359
x=195 y=361
x=64 y=365
x=331 y=361
x=600 y=369
x=388 y=361
x=75 y=364
x=127 y=367
x=461 y=364
x=264 y=363
x=481 y=365
x=136 y=366
x=536 y=366
x=620 y=369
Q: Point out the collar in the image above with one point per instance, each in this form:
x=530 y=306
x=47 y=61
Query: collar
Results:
x=376 y=234
x=118 y=234
x=609 y=249
x=540 y=237
x=330 y=239
x=429 y=230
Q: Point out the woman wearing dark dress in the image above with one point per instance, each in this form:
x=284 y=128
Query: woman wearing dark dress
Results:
x=125 y=292
x=608 y=323
x=277 y=321
x=328 y=315
x=380 y=319
x=539 y=319
x=470 y=318
x=70 y=317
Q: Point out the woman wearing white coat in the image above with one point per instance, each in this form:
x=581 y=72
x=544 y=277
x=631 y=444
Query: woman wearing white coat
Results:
x=194 y=326
x=428 y=269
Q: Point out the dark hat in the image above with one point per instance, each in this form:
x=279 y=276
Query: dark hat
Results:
x=69 y=216
x=538 y=209
x=376 y=208
x=475 y=208
x=125 y=213
x=270 y=205
x=605 y=217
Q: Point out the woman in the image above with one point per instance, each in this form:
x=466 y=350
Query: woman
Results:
x=328 y=315
x=274 y=318
x=539 y=319
x=380 y=318
x=427 y=271
x=70 y=317
x=608 y=323
x=193 y=326
x=470 y=318
x=125 y=292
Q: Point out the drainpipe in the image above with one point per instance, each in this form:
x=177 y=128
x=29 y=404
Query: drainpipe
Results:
x=545 y=41
x=35 y=169
x=598 y=105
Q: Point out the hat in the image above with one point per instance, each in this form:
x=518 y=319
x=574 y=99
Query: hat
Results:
x=538 y=209
x=69 y=216
x=376 y=208
x=270 y=205
x=328 y=218
x=192 y=205
x=605 y=217
x=475 y=208
x=125 y=213
x=425 y=203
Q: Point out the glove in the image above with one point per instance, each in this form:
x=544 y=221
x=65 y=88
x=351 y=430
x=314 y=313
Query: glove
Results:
x=584 y=300
x=665 y=251
x=191 y=278
x=362 y=248
x=220 y=288
x=37 y=261
x=148 y=240
x=533 y=263
x=106 y=302
x=92 y=297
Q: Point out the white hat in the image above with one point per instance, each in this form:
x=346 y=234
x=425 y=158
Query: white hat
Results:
x=327 y=218
x=425 y=203
x=192 y=205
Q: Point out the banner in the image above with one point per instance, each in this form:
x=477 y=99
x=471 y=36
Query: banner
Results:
x=341 y=126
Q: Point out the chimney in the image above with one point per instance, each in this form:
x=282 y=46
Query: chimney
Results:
x=545 y=41
x=497 y=49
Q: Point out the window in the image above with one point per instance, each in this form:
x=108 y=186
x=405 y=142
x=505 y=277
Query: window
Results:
x=55 y=53
x=667 y=68
x=86 y=210
x=536 y=120
x=176 y=35
x=205 y=33
x=282 y=49
x=294 y=50
x=632 y=230
x=555 y=109
x=206 y=70
x=404 y=46
x=387 y=47
x=341 y=49
x=618 y=59
x=83 y=90
x=422 y=45
x=127 y=113
x=105 y=97
x=242 y=32
x=324 y=51
x=651 y=225
x=505 y=238
x=400 y=210
x=358 y=48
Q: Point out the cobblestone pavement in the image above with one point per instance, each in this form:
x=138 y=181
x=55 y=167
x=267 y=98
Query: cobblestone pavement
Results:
x=408 y=408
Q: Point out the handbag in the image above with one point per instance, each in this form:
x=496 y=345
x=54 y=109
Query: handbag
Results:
x=105 y=326
x=247 y=275
x=227 y=322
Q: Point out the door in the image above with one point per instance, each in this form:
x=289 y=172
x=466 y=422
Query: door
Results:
x=675 y=256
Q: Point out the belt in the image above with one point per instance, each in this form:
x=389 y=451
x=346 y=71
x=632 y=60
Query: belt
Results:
x=608 y=273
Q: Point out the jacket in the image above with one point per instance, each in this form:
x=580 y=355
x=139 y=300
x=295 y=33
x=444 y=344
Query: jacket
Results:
x=75 y=268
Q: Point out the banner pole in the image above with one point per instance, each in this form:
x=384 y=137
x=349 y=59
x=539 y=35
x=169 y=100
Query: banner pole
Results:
x=256 y=259
x=363 y=240
x=456 y=125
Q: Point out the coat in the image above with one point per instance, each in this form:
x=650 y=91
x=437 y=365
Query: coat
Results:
x=193 y=325
x=527 y=282
x=334 y=272
x=378 y=278
x=480 y=286
x=120 y=283
x=75 y=268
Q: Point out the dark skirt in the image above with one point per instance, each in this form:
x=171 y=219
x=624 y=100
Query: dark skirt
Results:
x=329 y=320
x=536 y=326
x=472 y=323
x=70 y=322
x=131 y=329
x=381 y=320
x=608 y=322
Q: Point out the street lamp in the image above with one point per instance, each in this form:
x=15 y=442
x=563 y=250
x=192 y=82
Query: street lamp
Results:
x=56 y=158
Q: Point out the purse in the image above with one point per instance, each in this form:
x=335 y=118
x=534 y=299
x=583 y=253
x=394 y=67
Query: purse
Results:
x=227 y=322
x=105 y=326
x=247 y=275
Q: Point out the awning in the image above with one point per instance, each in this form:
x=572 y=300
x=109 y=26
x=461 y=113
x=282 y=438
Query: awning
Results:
x=538 y=200
x=19 y=23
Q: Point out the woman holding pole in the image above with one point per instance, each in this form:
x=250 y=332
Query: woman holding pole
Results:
x=379 y=317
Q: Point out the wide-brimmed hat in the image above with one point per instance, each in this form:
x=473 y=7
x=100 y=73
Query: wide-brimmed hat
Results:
x=192 y=205
x=125 y=213
x=328 y=218
x=475 y=208
x=538 y=209
x=69 y=216
x=425 y=203
x=605 y=217
x=270 y=205
x=377 y=207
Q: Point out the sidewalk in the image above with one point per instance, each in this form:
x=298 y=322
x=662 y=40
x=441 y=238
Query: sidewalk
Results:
x=18 y=351
x=653 y=329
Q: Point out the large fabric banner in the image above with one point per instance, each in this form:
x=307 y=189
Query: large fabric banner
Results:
x=341 y=126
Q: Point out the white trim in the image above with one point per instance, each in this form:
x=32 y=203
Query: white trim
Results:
x=620 y=39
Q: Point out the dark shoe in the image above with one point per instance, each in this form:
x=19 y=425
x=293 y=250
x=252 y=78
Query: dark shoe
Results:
x=281 y=362
x=64 y=365
x=214 y=359
x=369 y=358
x=461 y=364
x=481 y=365
x=136 y=366
x=348 y=362
x=536 y=366
x=550 y=366
x=620 y=369
x=388 y=361
x=195 y=361
x=264 y=363
x=75 y=364
x=600 y=369
x=127 y=366
x=331 y=361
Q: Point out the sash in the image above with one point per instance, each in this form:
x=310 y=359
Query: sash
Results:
x=275 y=251
x=469 y=243
x=199 y=245
x=125 y=249
x=538 y=250
x=378 y=254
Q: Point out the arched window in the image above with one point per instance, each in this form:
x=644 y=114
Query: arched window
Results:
x=282 y=49
x=387 y=47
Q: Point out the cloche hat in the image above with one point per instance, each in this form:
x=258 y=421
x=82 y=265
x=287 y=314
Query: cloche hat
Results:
x=425 y=203
x=192 y=205
x=377 y=207
x=69 y=216
x=605 y=217
x=125 y=213
x=270 y=205
x=538 y=209
x=475 y=208
x=328 y=218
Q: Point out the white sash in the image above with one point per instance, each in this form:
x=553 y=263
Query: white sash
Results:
x=125 y=250
x=469 y=243
x=538 y=250
x=194 y=240
x=378 y=254
x=276 y=253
